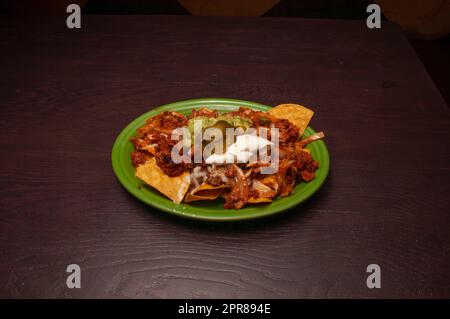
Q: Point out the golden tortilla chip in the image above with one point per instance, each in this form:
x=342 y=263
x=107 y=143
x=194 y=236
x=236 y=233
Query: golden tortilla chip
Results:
x=173 y=187
x=259 y=200
x=295 y=113
x=265 y=193
x=204 y=192
x=270 y=181
x=263 y=190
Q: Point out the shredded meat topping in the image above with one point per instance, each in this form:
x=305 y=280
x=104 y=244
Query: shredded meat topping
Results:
x=288 y=132
x=163 y=156
x=203 y=112
x=138 y=158
x=164 y=122
x=217 y=177
x=240 y=190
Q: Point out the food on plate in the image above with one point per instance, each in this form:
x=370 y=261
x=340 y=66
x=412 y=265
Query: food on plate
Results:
x=244 y=156
x=294 y=113
x=173 y=187
x=204 y=191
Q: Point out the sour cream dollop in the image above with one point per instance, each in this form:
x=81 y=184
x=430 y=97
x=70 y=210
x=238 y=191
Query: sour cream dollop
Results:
x=241 y=151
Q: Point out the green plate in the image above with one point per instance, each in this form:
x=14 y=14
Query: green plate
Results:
x=209 y=210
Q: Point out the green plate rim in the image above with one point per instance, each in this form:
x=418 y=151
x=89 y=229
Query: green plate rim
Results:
x=159 y=201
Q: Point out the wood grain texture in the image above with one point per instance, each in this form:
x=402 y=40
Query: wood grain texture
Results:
x=66 y=94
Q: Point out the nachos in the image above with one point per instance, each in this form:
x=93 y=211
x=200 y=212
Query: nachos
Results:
x=264 y=158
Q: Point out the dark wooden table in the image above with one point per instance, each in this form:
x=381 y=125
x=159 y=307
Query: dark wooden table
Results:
x=66 y=94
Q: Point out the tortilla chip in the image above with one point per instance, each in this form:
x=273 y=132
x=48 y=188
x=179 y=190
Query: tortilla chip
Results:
x=259 y=200
x=262 y=189
x=270 y=181
x=173 y=187
x=295 y=113
x=204 y=192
